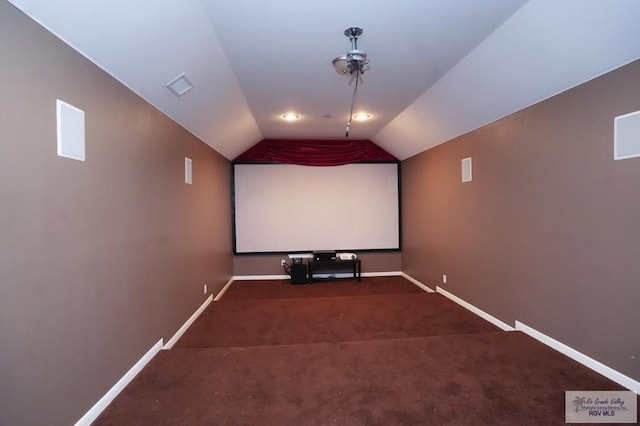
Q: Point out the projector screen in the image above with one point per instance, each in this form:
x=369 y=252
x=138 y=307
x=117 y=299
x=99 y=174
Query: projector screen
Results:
x=284 y=208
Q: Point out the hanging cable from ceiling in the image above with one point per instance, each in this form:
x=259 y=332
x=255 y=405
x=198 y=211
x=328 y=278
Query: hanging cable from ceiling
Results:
x=353 y=101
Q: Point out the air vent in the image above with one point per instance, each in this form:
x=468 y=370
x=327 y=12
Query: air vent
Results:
x=180 y=85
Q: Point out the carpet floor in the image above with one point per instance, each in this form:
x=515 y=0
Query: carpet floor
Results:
x=346 y=353
x=334 y=319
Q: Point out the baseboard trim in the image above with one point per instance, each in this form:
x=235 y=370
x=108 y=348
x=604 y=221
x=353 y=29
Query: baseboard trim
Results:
x=583 y=359
x=493 y=320
x=364 y=275
x=382 y=274
x=187 y=324
x=416 y=282
x=103 y=402
x=221 y=292
x=259 y=277
x=286 y=277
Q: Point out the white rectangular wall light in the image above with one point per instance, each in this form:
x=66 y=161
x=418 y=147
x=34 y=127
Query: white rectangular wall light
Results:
x=466 y=170
x=188 y=171
x=70 y=131
x=626 y=136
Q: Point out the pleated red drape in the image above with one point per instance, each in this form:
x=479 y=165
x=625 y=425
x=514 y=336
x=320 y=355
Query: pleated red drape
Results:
x=315 y=152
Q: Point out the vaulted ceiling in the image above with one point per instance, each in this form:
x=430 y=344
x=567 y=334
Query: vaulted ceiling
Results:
x=439 y=68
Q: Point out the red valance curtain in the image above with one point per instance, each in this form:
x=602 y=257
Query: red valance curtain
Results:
x=315 y=152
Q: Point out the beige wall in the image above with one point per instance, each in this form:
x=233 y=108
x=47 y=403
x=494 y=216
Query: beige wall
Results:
x=98 y=259
x=548 y=231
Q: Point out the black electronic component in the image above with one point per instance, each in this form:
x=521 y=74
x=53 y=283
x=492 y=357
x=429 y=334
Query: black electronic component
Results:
x=299 y=273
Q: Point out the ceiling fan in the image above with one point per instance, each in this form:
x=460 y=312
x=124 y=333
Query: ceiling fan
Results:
x=353 y=64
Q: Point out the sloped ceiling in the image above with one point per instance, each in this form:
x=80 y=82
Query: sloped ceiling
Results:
x=440 y=68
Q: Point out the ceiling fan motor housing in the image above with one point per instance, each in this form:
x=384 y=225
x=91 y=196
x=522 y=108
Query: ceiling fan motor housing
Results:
x=357 y=61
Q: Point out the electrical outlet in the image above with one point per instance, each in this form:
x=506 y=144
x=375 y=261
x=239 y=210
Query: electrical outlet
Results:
x=444 y=279
x=205 y=289
x=283 y=262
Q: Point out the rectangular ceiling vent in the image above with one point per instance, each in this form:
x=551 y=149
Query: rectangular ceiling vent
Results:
x=180 y=85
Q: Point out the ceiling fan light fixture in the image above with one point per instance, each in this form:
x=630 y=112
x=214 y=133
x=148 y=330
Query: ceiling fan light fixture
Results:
x=354 y=61
x=290 y=116
x=341 y=64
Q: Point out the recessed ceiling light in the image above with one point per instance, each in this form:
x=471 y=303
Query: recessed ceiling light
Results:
x=290 y=116
x=361 y=116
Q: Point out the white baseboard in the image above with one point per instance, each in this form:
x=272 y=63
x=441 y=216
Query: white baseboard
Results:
x=416 y=282
x=259 y=277
x=187 y=324
x=364 y=275
x=221 y=292
x=493 y=320
x=286 y=277
x=583 y=359
x=382 y=274
x=99 y=407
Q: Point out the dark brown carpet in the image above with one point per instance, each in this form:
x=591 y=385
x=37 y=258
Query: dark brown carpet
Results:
x=329 y=319
x=395 y=359
x=279 y=289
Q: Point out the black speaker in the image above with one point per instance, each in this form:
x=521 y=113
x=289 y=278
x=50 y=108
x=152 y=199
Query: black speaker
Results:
x=299 y=273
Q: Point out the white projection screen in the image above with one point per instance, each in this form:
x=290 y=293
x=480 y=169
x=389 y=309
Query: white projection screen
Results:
x=284 y=208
